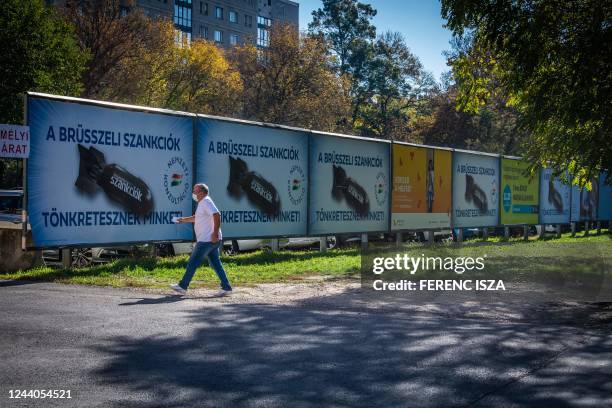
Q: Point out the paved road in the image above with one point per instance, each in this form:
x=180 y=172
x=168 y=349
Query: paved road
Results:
x=129 y=348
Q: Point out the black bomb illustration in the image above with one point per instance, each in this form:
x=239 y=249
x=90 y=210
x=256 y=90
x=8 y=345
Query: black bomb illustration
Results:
x=554 y=197
x=260 y=192
x=120 y=185
x=475 y=194
x=347 y=188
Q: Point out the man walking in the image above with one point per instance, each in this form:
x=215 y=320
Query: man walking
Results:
x=207 y=223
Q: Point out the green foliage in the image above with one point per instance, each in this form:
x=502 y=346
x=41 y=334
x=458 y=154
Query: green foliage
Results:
x=551 y=59
x=39 y=53
x=346 y=26
x=385 y=77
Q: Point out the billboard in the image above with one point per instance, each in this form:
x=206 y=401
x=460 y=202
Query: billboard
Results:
x=258 y=177
x=475 y=190
x=604 y=209
x=584 y=202
x=421 y=193
x=555 y=198
x=519 y=192
x=349 y=190
x=100 y=174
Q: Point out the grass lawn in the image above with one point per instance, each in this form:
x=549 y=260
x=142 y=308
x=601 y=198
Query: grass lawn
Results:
x=264 y=266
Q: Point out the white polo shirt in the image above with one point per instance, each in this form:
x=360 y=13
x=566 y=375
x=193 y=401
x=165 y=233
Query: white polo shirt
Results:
x=204 y=223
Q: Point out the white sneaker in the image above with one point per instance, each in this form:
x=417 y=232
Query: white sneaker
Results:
x=223 y=292
x=178 y=289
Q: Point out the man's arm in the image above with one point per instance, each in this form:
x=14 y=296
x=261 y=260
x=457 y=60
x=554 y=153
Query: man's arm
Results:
x=182 y=220
x=216 y=226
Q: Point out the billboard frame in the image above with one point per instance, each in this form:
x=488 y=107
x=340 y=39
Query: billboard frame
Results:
x=104 y=104
x=495 y=155
x=370 y=139
x=448 y=149
x=536 y=176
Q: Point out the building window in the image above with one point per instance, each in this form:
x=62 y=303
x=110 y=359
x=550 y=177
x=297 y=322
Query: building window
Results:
x=234 y=39
x=248 y=21
x=263 y=37
x=204 y=32
x=182 y=37
x=233 y=17
x=263 y=31
x=219 y=13
x=182 y=14
x=218 y=36
x=263 y=22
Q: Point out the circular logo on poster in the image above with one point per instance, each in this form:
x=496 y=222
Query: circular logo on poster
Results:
x=296 y=185
x=176 y=180
x=507 y=200
x=380 y=188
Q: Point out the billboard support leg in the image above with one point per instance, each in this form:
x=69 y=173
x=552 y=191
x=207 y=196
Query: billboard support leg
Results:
x=66 y=256
x=274 y=244
x=542 y=229
x=460 y=235
x=430 y=237
x=323 y=244
x=364 y=241
x=587 y=227
x=573 y=228
x=558 y=231
x=398 y=239
x=598 y=227
x=506 y=233
x=485 y=234
x=526 y=232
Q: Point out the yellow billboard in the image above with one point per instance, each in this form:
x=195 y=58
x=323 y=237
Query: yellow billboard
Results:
x=421 y=195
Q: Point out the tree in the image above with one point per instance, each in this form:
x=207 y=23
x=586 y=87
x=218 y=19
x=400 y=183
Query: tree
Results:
x=345 y=26
x=493 y=128
x=114 y=32
x=143 y=79
x=39 y=53
x=552 y=59
x=393 y=82
x=201 y=79
x=289 y=82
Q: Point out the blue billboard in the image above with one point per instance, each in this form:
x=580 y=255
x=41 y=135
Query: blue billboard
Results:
x=584 y=202
x=99 y=174
x=349 y=189
x=604 y=209
x=257 y=175
x=475 y=190
x=555 y=199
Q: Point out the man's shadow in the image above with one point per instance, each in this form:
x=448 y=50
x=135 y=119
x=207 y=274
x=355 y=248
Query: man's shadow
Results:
x=166 y=299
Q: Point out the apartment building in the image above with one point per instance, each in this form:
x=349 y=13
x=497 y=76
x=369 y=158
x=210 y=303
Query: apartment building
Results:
x=226 y=22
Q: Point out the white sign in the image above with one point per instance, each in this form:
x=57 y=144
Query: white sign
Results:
x=14 y=141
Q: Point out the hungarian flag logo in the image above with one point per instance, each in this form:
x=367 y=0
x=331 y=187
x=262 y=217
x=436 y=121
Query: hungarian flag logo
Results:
x=177 y=179
x=295 y=184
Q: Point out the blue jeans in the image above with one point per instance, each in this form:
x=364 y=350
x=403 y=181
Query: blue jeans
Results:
x=201 y=251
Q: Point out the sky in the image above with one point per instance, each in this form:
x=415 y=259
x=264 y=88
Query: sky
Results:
x=418 y=20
